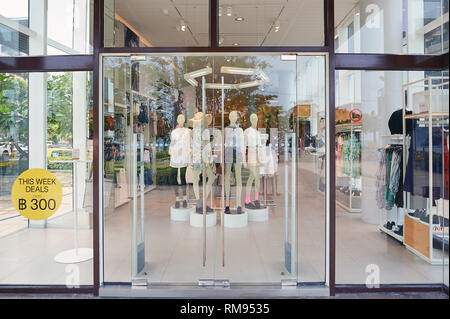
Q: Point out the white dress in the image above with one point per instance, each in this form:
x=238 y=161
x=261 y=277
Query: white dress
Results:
x=254 y=146
x=180 y=147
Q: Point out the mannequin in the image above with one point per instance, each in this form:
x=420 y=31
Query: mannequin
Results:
x=179 y=151
x=253 y=142
x=234 y=156
x=201 y=158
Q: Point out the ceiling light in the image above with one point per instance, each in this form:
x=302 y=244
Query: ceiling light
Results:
x=182 y=25
x=197 y=73
x=138 y=58
x=235 y=44
x=220 y=11
x=229 y=11
x=357 y=13
x=249 y=84
x=276 y=26
x=236 y=70
x=288 y=57
x=239 y=19
x=221 y=39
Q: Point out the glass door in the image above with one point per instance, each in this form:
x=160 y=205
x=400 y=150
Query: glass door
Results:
x=213 y=169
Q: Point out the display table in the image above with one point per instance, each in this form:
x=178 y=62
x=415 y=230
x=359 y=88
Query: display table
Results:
x=180 y=214
x=258 y=215
x=235 y=220
x=196 y=220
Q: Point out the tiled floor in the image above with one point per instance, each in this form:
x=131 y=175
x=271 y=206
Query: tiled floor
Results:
x=255 y=254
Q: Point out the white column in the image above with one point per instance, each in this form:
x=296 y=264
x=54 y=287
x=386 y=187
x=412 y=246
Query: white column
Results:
x=79 y=105
x=37 y=83
x=381 y=93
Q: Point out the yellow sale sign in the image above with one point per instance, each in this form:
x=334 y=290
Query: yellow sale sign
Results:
x=36 y=194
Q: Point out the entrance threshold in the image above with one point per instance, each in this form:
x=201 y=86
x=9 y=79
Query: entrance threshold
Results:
x=232 y=292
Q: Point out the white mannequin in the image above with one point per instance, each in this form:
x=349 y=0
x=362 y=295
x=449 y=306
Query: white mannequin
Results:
x=253 y=143
x=201 y=158
x=179 y=152
x=234 y=155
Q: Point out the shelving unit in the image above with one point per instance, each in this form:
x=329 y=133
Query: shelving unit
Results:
x=428 y=99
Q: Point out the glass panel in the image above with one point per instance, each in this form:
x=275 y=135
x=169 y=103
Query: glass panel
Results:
x=389 y=229
x=162 y=23
x=57 y=135
x=397 y=26
x=259 y=145
x=271 y=23
x=31 y=28
x=311 y=135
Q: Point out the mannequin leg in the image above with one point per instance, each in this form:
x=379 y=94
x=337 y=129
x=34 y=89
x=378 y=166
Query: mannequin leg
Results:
x=237 y=172
x=248 y=187
x=211 y=178
x=257 y=181
x=196 y=174
x=227 y=183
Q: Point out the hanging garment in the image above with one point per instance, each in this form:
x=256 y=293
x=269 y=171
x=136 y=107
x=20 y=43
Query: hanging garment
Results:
x=180 y=147
x=446 y=166
x=143 y=113
x=381 y=180
x=146 y=156
x=269 y=166
x=417 y=170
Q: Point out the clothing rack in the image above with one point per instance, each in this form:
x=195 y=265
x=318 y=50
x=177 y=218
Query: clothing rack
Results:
x=394 y=140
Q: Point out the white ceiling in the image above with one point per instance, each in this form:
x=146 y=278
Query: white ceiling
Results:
x=301 y=21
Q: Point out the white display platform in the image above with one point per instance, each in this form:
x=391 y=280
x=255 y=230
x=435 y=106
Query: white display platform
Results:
x=257 y=215
x=180 y=214
x=74 y=256
x=196 y=220
x=235 y=220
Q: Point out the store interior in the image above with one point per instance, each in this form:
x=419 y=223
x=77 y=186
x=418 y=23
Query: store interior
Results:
x=215 y=166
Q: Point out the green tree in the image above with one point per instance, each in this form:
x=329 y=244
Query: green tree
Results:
x=14 y=107
x=59 y=107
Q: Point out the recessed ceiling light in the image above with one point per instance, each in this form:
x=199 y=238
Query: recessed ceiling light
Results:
x=221 y=39
x=239 y=19
x=235 y=44
x=229 y=11
x=276 y=26
x=220 y=11
x=357 y=13
x=182 y=25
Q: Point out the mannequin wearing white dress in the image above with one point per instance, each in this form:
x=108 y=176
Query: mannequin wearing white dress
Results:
x=179 y=151
x=253 y=142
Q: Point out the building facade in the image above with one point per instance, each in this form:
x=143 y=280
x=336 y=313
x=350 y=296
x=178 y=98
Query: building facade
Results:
x=247 y=146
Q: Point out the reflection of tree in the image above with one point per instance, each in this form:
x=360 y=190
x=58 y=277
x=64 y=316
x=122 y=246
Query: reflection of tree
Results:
x=14 y=107
x=59 y=107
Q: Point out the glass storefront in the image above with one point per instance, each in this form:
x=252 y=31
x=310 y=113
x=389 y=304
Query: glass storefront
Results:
x=45 y=118
x=391 y=26
x=391 y=145
x=51 y=27
x=216 y=163
x=197 y=150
